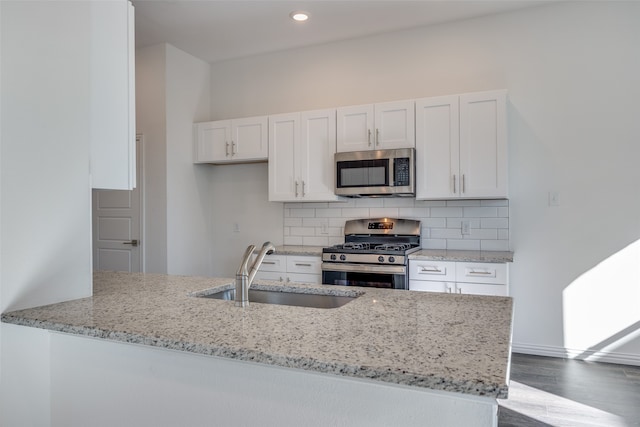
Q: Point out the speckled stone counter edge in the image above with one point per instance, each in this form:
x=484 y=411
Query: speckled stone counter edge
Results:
x=423 y=254
x=387 y=375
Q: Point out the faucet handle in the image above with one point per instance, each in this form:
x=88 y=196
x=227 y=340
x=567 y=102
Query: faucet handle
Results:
x=243 y=269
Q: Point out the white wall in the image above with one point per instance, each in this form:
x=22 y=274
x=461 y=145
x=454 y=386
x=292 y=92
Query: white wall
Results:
x=172 y=92
x=571 y=72
x=188 y=200
x=151 y=122
x=45 y=219
x=241 y=214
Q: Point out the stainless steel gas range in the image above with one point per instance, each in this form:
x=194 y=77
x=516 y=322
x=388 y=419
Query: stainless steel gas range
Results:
x=374 y=253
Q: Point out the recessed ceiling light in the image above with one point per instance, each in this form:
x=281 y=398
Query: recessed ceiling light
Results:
x=299 y=16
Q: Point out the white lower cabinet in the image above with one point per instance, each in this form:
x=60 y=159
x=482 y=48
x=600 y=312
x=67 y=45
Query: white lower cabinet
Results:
x=459 y=277
x=291 y=268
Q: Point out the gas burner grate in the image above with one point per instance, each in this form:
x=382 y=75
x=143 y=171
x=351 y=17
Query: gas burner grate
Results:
x=394 y=247
x=361 y=246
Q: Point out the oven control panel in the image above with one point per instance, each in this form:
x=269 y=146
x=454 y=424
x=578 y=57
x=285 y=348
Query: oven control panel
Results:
x=365 y=258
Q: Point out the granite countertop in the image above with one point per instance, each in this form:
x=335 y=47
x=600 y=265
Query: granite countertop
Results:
x=423 y=254
x=464 y=256
x=457 y=343
x=298 y=250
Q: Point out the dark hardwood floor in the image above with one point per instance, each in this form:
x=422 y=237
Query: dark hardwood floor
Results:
x=546 y=391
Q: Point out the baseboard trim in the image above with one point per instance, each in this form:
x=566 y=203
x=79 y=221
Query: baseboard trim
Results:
x=566 y=353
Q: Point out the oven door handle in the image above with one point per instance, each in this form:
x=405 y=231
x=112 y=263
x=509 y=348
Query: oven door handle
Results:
x=364 y=268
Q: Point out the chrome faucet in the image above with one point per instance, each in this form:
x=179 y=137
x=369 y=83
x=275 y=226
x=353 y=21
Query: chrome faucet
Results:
x=245 y=275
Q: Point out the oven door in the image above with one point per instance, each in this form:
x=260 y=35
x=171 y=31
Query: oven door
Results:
x=367 y=275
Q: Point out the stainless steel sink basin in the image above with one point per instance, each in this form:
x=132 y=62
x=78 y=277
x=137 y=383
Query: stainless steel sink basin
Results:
x=286 y=298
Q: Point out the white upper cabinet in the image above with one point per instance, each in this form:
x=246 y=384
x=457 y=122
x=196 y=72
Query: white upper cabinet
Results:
x=301 y=150
x=376 y=126
x=461 y=146
x=113 y=121
x=227 y=141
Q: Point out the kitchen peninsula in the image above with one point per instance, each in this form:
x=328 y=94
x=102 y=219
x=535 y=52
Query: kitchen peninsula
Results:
x=388 y=356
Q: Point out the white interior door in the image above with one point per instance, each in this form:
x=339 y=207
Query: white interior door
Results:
x=117 y=225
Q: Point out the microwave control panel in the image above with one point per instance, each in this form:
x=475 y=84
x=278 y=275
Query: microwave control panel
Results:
x=401 y=169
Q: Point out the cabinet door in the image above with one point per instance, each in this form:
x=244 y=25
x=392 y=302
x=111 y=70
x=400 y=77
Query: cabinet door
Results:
x=283 y=144
x=249 y=139
x=482 y=289
x=437 y=148
x=429 y=286
x=394 y=125
x=112 y=85
x=304 y=278
x=483 y=144
x=212 y=141
x=315 y=160
x=355 y=128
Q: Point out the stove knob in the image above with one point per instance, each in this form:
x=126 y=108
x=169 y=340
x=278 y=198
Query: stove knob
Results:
x=392 y=259
x=380 y=259
x=333 y=257
x=343 y=257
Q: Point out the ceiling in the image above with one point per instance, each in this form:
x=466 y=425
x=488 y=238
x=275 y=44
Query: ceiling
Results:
x=216 y=30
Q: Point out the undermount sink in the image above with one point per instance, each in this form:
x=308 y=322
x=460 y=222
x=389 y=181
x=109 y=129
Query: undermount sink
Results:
x=297 y=299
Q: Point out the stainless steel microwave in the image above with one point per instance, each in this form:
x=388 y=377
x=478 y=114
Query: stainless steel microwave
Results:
x=376 y=173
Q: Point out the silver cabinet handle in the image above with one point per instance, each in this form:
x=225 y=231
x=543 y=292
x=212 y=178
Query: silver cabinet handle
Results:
x=463 y=189
x=269 y=262
x=377 y=136
x=431 y=270
x=302 y=188
x=226 y=150
x=281 y=279
x=454 y=184
x=302 y=265
x=296 y=188
x=288 y=280
x=233 y=148
x=133 y=242
x=369 y=137
x=479 y=272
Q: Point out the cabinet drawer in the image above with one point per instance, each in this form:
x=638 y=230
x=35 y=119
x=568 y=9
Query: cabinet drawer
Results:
x=274 y=263
x=432 y=270
x=304 y=264
x=481 y=273
x=430 y=286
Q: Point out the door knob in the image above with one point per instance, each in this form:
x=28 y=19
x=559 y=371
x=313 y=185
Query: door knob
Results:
x=134 y=242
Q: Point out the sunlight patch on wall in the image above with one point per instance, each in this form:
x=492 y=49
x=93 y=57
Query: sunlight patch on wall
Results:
x=600 y=307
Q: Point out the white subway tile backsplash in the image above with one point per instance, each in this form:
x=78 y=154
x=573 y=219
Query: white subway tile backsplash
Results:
x=445 y=233
x=383 y=213
x=302 y=231
x=328 y=212
x=482 y=212
x=322 y=224
x=434 y=243
x=494 y=245
x=398 y=202
x=494 y=223
x=434 y=222
x=369 y=203
x=293 y=240
x=315 y=241
x=413 y=213
x=292 y=222
x=463 y=245
x=446 y=212
x=302 y=213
